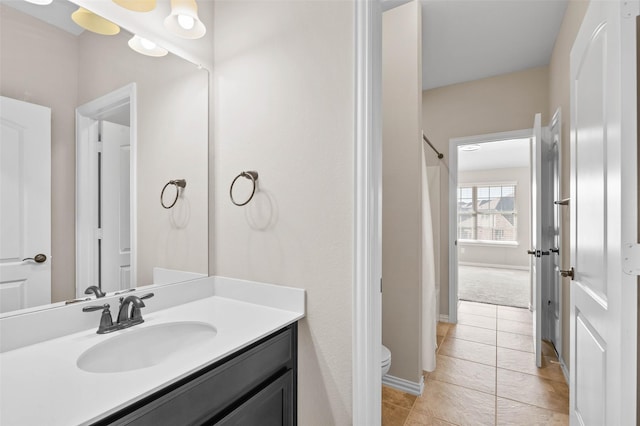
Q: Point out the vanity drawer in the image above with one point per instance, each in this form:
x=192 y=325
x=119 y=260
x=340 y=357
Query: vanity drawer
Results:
x=214 y=392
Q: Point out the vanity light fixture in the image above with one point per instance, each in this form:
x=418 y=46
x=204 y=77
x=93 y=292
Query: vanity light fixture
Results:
x=137 y=5
x=183 y=20
x=40 y=2
x=469 y=148
x=94 y=23
x=146 y=47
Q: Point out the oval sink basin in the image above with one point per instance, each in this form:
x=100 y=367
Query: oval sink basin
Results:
x=145 y=347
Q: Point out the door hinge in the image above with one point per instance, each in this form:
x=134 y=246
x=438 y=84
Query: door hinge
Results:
x=631 y=258
x=99 y=146
x=99 y=234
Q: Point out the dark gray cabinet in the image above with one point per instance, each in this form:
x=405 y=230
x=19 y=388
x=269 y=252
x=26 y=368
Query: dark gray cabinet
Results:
x=269 y=407
x=254 y=386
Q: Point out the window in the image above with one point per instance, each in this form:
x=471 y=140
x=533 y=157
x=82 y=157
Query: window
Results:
x=487 y=213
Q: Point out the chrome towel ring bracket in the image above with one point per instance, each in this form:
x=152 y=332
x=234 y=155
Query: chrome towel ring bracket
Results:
x=178 y=183
x=253 y=176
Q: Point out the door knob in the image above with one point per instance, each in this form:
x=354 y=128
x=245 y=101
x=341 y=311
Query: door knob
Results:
x=537 y=253
x=555 y=250
x=570 y=273
x=38 y=258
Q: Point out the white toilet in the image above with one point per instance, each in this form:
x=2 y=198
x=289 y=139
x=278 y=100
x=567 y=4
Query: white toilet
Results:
x=385 y=356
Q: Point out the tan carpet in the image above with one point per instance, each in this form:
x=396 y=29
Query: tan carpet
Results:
x=508 y=287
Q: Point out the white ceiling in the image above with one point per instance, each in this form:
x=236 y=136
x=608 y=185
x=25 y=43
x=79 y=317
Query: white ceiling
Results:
x=462 y=40
x=466 y=40
x=495 y=155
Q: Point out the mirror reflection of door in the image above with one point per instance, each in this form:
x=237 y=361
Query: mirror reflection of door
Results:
x=105 y=200
x=25 y=204
x=114 y=207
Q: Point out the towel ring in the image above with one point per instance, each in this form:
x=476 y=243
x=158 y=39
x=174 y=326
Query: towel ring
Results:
x=249 y=175
x=178 y=183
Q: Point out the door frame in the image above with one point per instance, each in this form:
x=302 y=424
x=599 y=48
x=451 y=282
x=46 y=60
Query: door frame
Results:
x=366 y=395
x=86 y=175
x=630 y=183
x=454 y=144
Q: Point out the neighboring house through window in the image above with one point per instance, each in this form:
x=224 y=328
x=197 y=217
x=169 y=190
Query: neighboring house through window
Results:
x=487 y=212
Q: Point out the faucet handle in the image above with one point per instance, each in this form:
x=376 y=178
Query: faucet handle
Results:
x=106 y=322
x=147 y=296
x=95 y=308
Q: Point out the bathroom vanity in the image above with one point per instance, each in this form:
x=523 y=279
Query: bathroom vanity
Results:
x=214 y=351
x=256 y=385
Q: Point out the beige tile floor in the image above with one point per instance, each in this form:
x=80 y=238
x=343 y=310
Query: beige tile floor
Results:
x=485 y=375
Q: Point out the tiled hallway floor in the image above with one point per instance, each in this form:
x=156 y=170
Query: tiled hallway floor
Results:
x=485 y=375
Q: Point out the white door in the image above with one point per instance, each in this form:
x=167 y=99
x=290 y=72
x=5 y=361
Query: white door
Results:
x=115 y=244
x=25 y=205
x=603 y=321
x=536 y=236
x=554 y=295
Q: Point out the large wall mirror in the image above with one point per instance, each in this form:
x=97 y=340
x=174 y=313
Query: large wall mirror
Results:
x=92 y=132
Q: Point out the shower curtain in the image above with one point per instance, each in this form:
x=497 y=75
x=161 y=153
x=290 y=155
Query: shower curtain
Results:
x=429 y=301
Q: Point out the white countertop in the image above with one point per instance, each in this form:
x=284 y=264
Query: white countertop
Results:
x=41 y=383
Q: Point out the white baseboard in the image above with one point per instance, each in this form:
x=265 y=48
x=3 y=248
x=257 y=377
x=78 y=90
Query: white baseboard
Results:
x=404 y=385
x=493 y=265
x=443 y=318
x=565 y=370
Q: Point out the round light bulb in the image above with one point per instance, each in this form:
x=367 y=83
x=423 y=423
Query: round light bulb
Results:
x=185 y=21
x=147 y=44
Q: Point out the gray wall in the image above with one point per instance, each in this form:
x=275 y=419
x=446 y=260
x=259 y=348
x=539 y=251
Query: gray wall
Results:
x=283 y=105
x=402 y=189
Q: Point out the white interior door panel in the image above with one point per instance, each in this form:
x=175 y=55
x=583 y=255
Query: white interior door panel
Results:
x=603 y=318
x=25 y=204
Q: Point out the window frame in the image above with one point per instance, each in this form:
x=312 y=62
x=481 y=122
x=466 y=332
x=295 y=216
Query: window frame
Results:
x=475 y=213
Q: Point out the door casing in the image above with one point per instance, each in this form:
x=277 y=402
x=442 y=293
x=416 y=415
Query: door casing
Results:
x=454 y=144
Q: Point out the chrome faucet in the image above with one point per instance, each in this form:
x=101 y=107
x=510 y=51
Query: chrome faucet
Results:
x=95 y=290
x=129 y=314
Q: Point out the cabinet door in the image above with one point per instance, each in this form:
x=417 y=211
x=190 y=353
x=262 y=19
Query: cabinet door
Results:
x=272 y=406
